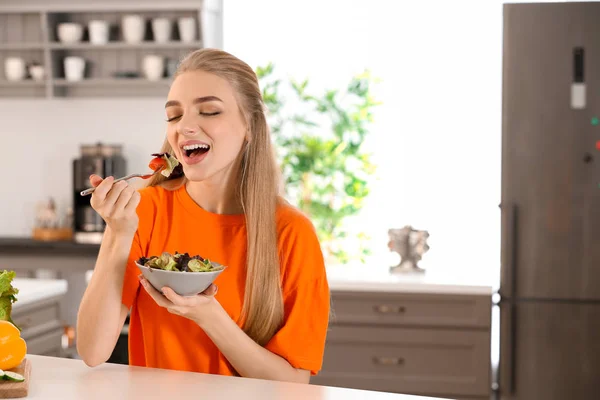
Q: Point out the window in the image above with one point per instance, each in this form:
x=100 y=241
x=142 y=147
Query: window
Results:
x=437 y=138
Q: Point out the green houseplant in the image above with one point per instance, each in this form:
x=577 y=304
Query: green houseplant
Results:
x=320 y=141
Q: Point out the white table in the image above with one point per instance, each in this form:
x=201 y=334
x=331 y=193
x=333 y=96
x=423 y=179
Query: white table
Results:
x=68 y=379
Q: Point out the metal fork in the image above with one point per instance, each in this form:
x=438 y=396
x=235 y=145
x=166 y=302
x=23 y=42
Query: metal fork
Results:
x=143 y=176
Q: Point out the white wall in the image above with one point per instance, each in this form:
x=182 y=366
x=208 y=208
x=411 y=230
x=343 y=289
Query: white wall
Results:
x=40 y=139
x=437 y=138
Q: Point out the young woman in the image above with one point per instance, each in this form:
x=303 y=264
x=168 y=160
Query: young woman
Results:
x=269 y=317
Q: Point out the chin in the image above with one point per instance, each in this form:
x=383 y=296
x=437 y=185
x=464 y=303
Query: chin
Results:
x=195 y=176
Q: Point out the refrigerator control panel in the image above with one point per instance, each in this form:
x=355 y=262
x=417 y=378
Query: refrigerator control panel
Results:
x=578 y=95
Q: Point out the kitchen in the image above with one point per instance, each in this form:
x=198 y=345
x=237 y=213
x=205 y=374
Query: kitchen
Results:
x=435 y=333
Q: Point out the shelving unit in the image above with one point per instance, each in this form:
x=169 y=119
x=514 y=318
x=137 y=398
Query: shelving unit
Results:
x=32 y=36
x=125 y=46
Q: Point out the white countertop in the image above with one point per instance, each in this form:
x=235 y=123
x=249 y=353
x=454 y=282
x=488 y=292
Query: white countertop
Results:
x=32 y=290
x=365 y=279
x=68 y=379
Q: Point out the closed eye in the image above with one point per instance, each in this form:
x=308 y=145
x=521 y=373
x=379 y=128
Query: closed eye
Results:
x=205 y=114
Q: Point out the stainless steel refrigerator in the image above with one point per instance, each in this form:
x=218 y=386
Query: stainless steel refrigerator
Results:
x=550 y=207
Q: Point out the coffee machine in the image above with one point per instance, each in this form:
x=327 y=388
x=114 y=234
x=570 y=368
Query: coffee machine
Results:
x=102 y=160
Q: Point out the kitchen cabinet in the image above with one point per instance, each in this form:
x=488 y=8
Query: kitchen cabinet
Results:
x=37 y=313
x=62 y=260
x=113 y=69
x=409 y=338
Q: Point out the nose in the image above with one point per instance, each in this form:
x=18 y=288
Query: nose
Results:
x=187 y=127
x=189 y=130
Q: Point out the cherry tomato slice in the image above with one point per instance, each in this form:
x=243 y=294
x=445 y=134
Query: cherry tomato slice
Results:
x=157 y=163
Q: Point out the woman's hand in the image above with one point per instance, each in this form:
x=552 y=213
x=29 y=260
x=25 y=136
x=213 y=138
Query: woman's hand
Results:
x=116 y=203
x=247 y=357
x=195 y=308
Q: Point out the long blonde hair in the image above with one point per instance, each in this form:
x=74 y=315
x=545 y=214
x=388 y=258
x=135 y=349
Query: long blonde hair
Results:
x=258 y=190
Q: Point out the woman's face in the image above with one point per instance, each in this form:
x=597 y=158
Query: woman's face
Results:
x=204 y=125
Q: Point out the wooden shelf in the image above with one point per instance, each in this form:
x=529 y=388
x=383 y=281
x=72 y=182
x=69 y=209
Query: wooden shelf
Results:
x=23 y=89
x=22 y=46
x=110 y=87
x=23 y=83
x=132 y=82
x=31 y=33
x=125 y=46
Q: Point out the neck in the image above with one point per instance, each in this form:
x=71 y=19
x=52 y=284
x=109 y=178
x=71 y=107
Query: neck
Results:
x=217 y=194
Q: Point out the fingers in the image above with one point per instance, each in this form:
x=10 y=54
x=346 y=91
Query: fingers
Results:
x=95 y=180
x=101 y=190
x=116 y=202
x=124 y=197
x=134 y=201
x=158 y=298
x=177 y=299
x=114 y=193
x=211 y=290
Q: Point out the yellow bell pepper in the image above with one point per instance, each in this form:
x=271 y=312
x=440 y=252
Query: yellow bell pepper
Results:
x=12 y=346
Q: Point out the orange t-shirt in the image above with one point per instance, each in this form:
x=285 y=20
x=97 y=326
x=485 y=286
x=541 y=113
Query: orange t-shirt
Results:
x=171 y=221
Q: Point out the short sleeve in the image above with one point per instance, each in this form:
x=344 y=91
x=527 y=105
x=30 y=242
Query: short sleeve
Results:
x=301 y=339
x=146 y=213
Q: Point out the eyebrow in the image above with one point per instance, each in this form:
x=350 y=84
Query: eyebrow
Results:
x=197 y=100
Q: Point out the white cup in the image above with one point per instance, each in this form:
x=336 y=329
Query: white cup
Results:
x=14 y=69
x=99 y=32
x=161 y=29
x=74 y=68
x=37 y=72
x=70 y=32
x=187 y=29
x=133 y=27
x=153 y=67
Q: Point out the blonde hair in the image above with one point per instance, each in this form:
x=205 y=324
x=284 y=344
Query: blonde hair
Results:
x=258 y=189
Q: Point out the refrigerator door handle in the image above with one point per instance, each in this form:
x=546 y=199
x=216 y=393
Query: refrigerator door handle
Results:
x=510 y=362
x=510 y=264
x=507 y=365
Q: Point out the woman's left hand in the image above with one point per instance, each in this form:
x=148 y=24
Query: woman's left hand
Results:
x=194 y=308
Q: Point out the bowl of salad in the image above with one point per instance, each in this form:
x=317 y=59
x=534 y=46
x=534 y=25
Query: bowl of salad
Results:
x=186 y=275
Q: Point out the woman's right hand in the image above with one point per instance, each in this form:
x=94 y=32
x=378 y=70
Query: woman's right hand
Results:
x=116 y=203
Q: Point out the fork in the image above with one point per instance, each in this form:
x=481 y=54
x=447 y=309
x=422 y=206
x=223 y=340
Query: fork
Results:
x=143 y=176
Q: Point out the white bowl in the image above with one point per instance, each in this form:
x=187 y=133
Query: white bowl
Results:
x=70 y=32
x=182 y=283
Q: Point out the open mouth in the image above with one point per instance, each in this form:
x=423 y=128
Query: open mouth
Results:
x=195 y=150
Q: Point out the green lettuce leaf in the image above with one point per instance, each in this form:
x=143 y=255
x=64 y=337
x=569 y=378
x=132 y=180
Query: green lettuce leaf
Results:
x=7 y=295
x=6 y=278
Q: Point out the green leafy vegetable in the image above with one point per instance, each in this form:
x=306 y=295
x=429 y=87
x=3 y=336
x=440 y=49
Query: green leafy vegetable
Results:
x=179 y=262
x=7 y=295
x=200 y=266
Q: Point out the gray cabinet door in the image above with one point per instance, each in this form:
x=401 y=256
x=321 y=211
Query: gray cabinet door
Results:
x=550 y=165
x=556 y=353
x=410 y=309
x=440 y=362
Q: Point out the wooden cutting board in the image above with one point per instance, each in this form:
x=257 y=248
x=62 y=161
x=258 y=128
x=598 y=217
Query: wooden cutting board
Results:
x=13 y=390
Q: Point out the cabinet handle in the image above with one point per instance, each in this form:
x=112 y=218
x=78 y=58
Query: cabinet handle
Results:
x=388 y=360
x=385 y=309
